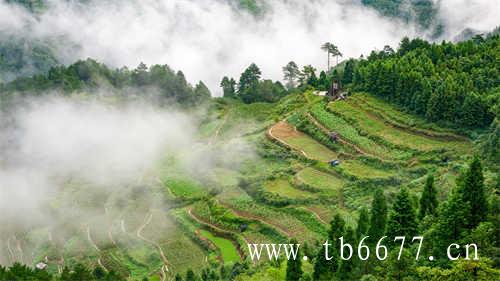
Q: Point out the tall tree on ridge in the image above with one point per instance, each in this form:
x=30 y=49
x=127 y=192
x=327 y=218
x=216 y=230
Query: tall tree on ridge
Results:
x=294 y=265
x=291 y=74
x=331 y=49
x=402 y=220
x=363 y=223
x=428 y=200
x=473 y=193
x=378 y=217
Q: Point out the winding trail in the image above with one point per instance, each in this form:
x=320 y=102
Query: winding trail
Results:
x=11 y=253
x=283 y=123
x=89 y=238
x=318 y=217
x=147 y=220
x=110 y=236
x=217 y=131
x=19 y=249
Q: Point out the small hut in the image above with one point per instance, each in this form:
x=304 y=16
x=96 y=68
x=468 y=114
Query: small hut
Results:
x=335 y=91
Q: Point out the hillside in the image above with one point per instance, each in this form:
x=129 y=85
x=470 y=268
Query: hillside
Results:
x=111 y=174
x=287 y=190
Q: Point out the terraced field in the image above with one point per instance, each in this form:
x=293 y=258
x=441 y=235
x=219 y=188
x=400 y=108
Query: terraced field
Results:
x=392 y=115
x=210 y=221
x=350 y=133
x=375 y=126
x=319 y=180
x=282 y=187
x=226 y=247
x=361 y=170
x=301 y=142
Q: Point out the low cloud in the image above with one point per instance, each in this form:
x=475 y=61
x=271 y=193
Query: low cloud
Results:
x=208 y=39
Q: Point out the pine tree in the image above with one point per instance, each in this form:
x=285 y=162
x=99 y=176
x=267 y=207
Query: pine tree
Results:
x=347 y=267
x=452 y=222
x=378 y=217
x=363 y=223
x=322 y=267
x=249 y=81
x=291 y=73
x=323 y=83
x=324 y=270
x=428 y=201
x=228 y=86
x=400 y=269
x=473 y=193
x=294 y=266
x=402 y=221
x=348 y=75
x=190 y=276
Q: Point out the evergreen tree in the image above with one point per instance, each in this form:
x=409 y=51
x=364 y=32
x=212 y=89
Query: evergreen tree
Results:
x=452 y=222
x=347 y=267
x=400 y=269
x=322 y=267
x=348 y=75
x=201 y=92
x=473 y=193
x=323 y=82
x=428 y=201
x=228 y=86
x=294 y=266
x=402 y=221
x=378 y=217
x=363 y=223
x=324 y=270
x=308 y=76
x=249 y=80
x=291 y=73
x=190 y=276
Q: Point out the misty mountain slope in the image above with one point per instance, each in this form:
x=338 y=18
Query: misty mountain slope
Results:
x=77 y=30
x=230 y=178
x=422 y=11
x=159 y=82
x=24 y=57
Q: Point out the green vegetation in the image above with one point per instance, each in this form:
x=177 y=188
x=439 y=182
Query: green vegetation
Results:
x=453 y=84
x=319 y=180
x=282 y=187
x=395 y=136
x=423 y=12
x=399 y=174
x=227 y=249
x=90 y=75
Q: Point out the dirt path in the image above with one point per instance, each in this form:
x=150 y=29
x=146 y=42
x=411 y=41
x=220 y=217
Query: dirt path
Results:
x=11 y=253
x=110 y=235
x=89 y=238
x=147 y=220
x=280 y=126
x=19 y=249
x=219 y=128
x=318 y=217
